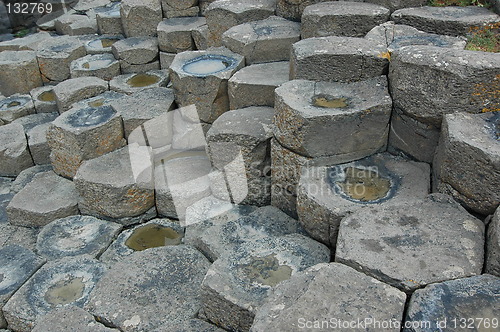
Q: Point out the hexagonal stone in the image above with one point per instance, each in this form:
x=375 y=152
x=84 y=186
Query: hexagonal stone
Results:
x=293 y=9
x=414 y=244
x=55 y=56
x=74 y=25
x=419 y=79
x=47 y=197
x=344 y=18
x=136 y=50
x=449 y=20
x=266 y=40
x=76 y=235
x=44 y=99
x=130 y=83
x=175 y=34
x=310 y=115
x=150 y=289
x=306 y=300
x=66 y=281
x=112 y=186
x=76 y=89
x=190 y=325
x=155 y=233
x=467 y=160
x=327 y=194
x=142 y=106
x=140 y=17
x=225 y=14
x=217 y=238
x=14 y=152
x=19 y=72
x=27 y=175
x=200 y=78
x=27 y=43
x=492 y=259
x=349 y=59
x=69 y=319
x=15 y=107
x=465 y=299
x=254 y=85
x=179 y=8
x=101 y=44
x=104 y=66
x=17 y=264
x=236 y=285
x=109 y=19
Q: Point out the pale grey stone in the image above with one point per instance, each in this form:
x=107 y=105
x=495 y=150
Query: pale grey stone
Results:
x=27 y=175
x=38 y=145
x=108 y=19
x=17 y=235
x=76 y=89
x=69 y=319
x=15 y=107
x=14 y=152
x=140 y=17
x=103 y=66
x=136 y=50
x=492 y=259
x=293 y=9
x=197 y=325
x=398 y=4
x=19 y=72
x=166 y=60
x=75 y=24
x=175 y=34
x=180 y=13
x=30 y=121
x=27 y=43
x=102 y=44
x=200 y=37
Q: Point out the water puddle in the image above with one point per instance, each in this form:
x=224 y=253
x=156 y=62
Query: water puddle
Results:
x=13 y=104
x=152 y=236
x=326 y=101
x=208 y=64
x=47 y=96
x=267 y=270
x=365 y=185
x=91 y=116
x=65 y=291
x=97 y=102
x=142 y=80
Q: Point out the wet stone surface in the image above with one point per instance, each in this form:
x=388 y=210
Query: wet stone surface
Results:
x=15 y=107
x=101 y=44
x=104 y=66
x=130 y=83
x=44 y=99
x=77 y=89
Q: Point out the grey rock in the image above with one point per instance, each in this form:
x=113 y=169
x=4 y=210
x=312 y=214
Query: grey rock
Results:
x=310 y=115
x=109 y=19
x=75 y=24
x=343 y=18
x=197 y=325
x=44 y=99
x=103 y=66
x=14 y=153
x=237 y=285
x=27 y=175
x=306 y=298
x=266 y=40
x=102 y=44
x=200 y=37
x=166 y=60
x=17 y=235
x=421 y=245
x=69 y=319
x=492 y=259
x=15 y=107
x=179 y=4
x=293 y=9
x=31 y=121
x=140 y=17
x=337 y=59
x=204 y=4
x=19 y=72
x=449 y=20
x=104 y=99
x=27 y=43
x=127 y=68
x=254 y=85
x=455 y=301
x=37 y=143
x=150 y=289
x=467 y=160
x=169 y=13
x=398 y=4
x=129 y=83
x=5 y=197
x=67 y=281
x=175 y=34
x=47 y=197
x=327 y=194
x=77 y=89
x=76 y=235
x=136 y=50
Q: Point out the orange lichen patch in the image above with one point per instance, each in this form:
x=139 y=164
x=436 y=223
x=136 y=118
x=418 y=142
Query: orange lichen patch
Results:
x=385 y=55
x=488 y=95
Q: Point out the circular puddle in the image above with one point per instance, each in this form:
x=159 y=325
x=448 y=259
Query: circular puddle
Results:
x=208 y=64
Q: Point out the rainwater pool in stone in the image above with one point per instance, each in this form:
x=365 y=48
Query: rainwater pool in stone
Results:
x=208 y=64
x=91 y=116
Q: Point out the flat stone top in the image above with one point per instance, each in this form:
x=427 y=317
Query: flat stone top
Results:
x=14 y=102
x=28 y=42
x=252 y=121
x=259 y=74
x=182 y=171
x=69 y=319
x=273 y=27
x=16 y=57
x=219 y=62
x=94 y=61
x=103 y=99
x=135 y=43
x=344 y=8
x=300 y=95
x=241 y=6
x=334 y=45
x=413 y=244
x=74 y=85
x=59 y=47
x=469 y=14
x=84 y=119
x=181 y=24
x=146 y=103
x=12 y=135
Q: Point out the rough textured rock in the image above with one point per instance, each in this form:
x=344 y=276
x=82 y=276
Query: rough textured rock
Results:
x=305 y=301
x=254 y=85
x=136 y=50
x=327 y=194
x=420 y=86
x=492 y=259
x=74 y=25
x=398 y=4
x=130 y=69
x=14 y=152
x=44 y=99
x=66 y=281
x=31 y=121
x=6 y=195
x=337 y=59
x=411 y=245
x=15 y=107
x=342 y=18
x=175 y=35
x=236 y=285
x=101 y=44
x=19 y=72
x=197 y=325
x=266 y=40
x=76 y=89
x=104 y=66
x=130 y=83
x=151 y=288
x=74 y=236
x=17 y=235
x=104 y=99
x=293 y=9
x=140 y=17
x=458 y=303
x=27 y=175
x=69 y=319
x=109 y=19
x=27 y=43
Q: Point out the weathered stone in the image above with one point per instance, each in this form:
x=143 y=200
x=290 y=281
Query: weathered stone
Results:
x=101 y=44
x=166 y=60
x=109 y=19
x=236 y=285
x=14 y=153
x=111 y=186
x=104 y=99
x=175 y=34
x=337 y=59
x=327 y=194
x=6 y=195
x=200 y=78
x=306 y=298
x=27 y=175
x=130 y=83
x=341 y=18
x=104 y=66
x=293 y=9
x=17 y=264
x=44 y=99
x=467 y=161
x=76 y=89
x=140 y=17
x=155 y=233
x=179 y=8
x=204 y=4
x=449 y=20
x=82 y=134
x=31 y=121
x=310 y=115
x=197 y=325
x=179 y=4
x=74 y=24
x=492 y=259
x=136 y=50
x=38 y=145
x=69 y=319
x=15 y=107
x=420 y=86
x=457 y=302
x=224 y=14
x=190 y=12
x=254 y=85
x=238 y=144
x=27 y=43
x=55 y=57
x=75 y=236
x=150 y=289
x=142 y=68
x=266 y=40
x=47 y=197
x=17 y=235
x=411 y=245
x=58 y=283
x=200 y=37
x=19 y=72
x=142 y=106
x=398 y=4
